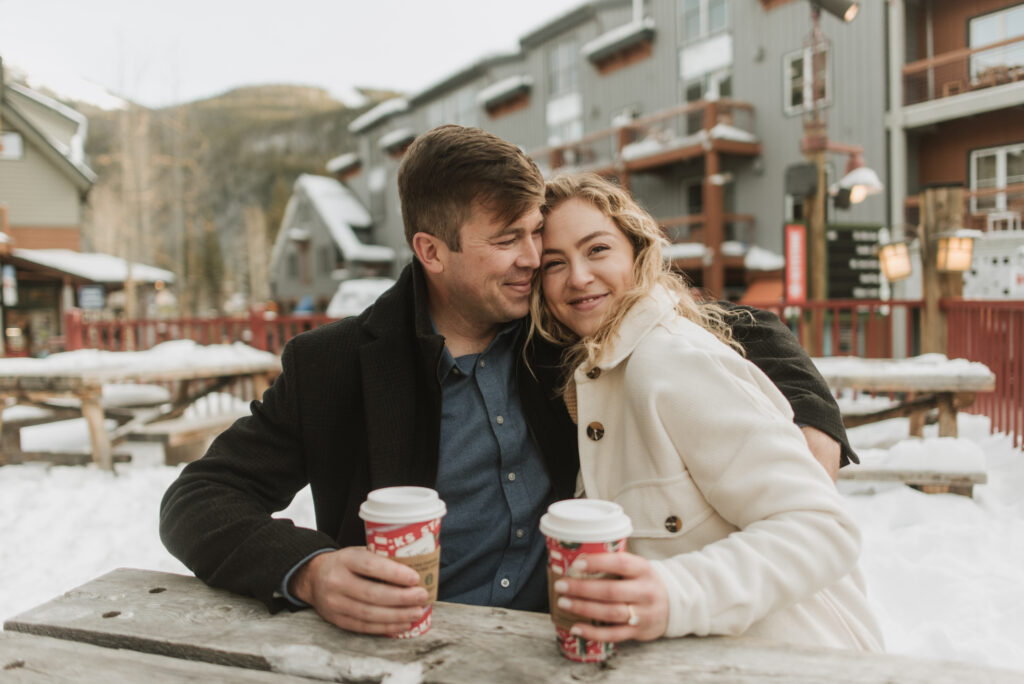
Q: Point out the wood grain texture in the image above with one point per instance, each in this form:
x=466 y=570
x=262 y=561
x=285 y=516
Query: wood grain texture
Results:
x=26 y=659
x=174 y=615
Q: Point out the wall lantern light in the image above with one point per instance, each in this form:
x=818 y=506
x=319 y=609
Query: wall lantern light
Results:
x=895 y=260
x=859 y=182
x=955 y=250
x=843 y=9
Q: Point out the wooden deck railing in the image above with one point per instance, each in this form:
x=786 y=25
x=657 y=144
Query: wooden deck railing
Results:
x=985 y=209
x=963 y=70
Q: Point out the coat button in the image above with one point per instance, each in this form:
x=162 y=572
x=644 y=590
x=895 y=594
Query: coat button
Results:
x=672 y=523
x=594 y=373
x=595 y=431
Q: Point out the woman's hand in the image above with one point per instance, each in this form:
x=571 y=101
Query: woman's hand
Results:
x=634 y=607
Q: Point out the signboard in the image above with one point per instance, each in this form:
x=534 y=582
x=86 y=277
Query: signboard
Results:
x=796 y=262
x=853 y=269
x=91 y=297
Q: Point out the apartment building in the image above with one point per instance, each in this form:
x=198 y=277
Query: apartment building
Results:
x=956 y=116
x=697 y=106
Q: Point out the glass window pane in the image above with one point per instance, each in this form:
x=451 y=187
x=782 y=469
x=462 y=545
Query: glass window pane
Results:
x=1015 y=21
x=984 y=30
x=717 y=15
x=1015 y=166
x=725 y=86
x=985 y=170
x=796 y=82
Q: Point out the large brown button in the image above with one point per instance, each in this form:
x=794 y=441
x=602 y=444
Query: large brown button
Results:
x=672 y=523
x=594 y=373
x=595 y=431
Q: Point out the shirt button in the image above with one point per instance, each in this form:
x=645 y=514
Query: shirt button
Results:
x=483 y=363
x=500 y=420
x=595 y=431
x=519 y=533
x=505 y=583
x=511 y=477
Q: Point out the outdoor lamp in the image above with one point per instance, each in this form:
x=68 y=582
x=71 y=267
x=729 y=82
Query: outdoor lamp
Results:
x=955 y=250
x=844 y=9
x=895 y=260
x=859 y=182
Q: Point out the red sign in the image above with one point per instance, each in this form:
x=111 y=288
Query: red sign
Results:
x=796 y=262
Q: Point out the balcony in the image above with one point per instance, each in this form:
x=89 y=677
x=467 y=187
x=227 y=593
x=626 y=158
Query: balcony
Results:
x=964 y=82
x=987 y=210
x=667 y=137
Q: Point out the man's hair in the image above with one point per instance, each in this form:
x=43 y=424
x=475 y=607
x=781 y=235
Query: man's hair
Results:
x=451 y=170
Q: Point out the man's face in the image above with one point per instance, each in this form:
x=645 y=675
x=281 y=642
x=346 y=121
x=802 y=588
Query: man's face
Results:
x=489 y=280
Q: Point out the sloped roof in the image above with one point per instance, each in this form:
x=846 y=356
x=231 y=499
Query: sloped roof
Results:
x=91 y=266
x=340 y=210
x=81 y=175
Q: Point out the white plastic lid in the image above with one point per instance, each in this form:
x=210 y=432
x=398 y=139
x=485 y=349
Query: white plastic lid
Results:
x=402 y=505
x=586 y=520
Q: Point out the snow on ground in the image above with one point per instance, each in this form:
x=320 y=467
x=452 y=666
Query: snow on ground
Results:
x=945 y=573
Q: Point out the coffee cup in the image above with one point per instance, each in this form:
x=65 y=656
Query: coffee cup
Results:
x=574 y=527
x=404 y=524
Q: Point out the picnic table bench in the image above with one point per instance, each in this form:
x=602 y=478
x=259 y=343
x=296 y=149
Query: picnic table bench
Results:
x=184 y=439
x=919 y=384
x=133 y=623
x=37 y=384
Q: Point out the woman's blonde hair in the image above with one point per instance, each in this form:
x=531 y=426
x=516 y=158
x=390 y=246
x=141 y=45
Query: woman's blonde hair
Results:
x=649 y=270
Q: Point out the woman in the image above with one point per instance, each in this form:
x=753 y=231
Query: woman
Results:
x=737 y=529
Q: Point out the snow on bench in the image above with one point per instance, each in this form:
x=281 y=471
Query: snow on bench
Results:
x=933 y=465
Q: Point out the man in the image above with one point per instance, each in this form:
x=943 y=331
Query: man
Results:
x=428 y=387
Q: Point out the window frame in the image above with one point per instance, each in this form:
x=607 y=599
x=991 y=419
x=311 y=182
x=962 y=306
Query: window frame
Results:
x=7 y=141
x=808 y=80
x=704 y=18
x=1000 y=152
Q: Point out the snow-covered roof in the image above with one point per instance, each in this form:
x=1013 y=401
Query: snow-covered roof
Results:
x=341 y=211
x=619 y=38
x=660 y=142
x=504 y=89
x=683 y=250
x=759 y=259
x=396 y=138
x=384 y=110
x=71 y=153
x=342 y=162
x=66 y=85
x=93 y=266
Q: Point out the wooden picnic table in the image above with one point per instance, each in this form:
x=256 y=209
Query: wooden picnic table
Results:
x=134 y=624
x=923 y=382
x=38 y=386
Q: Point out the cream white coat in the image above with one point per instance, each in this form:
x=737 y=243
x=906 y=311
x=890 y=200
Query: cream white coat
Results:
x=743 y=526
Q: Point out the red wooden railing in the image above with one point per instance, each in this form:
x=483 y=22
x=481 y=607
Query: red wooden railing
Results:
x=991 y=332
x=261 y=330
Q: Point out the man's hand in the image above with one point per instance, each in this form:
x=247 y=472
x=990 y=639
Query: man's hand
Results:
x=360 y=591
x=639 y=594
x=825 y=449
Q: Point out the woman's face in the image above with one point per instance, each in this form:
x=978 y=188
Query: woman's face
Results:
x=586 y=266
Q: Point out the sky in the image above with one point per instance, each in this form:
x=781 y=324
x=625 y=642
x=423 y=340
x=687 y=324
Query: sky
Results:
x=159 y=53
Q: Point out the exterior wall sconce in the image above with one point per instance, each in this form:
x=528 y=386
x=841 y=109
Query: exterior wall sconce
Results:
x=859 y=182
x=843 y=9
x=955 y=250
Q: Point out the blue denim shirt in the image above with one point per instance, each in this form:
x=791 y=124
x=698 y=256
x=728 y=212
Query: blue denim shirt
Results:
x=491 y=476
x=493 y=481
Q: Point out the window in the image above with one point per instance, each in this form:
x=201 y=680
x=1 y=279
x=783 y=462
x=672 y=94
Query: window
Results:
x=798 y=76
x=995 y=167
x=564 y=68
x=293 y=265
x=702 y=18
x=993 y=28
x=11 y=145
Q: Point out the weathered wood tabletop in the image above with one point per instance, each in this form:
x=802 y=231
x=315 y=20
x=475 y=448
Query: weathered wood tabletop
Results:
x=133 y=623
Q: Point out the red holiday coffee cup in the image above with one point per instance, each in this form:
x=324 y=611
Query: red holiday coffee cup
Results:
x=573 y=527
x=404 y=524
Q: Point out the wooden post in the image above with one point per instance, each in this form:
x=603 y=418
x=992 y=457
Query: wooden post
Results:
x=73 y=338
x=92 y=411
x=942 y=210
x=817 y=258
x=714 y=266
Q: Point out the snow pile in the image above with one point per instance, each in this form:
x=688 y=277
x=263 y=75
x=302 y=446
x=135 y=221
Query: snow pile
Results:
x=905 y=370
x=165 y=356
